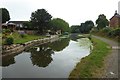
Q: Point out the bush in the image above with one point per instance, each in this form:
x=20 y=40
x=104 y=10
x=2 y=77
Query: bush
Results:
x=9 y=40
x=114 y=33
x=94 y=30
x=22 y=35
x=106 y=30
x=6 y=31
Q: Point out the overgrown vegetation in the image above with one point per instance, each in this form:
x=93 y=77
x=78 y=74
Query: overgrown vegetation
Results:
x=108 y=33
x=9 y=41
x=91 y=66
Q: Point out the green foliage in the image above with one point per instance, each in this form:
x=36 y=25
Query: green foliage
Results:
x=22 y=35
x=106 y=30
x=86 y=27
x=102 y=21
x=94 y=30
x=18 y=39
x=40 y=20
x=5 y=15
x=114 y=33
x=75 y=29
x=59 y=24
x=28 y=26
x=83 y=28
x=9 y=40
x=6 y=31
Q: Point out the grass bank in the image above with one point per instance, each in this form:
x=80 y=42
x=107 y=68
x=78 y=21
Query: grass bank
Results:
x=18 y=39
x=26 y=38
x=92 y=65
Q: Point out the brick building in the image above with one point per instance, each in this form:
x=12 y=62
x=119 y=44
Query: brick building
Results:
x=115 y=20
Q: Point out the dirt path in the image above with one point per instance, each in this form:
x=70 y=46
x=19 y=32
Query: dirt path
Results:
x=111 y=61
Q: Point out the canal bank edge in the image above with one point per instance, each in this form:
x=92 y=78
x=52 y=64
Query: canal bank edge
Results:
x=92 y=66
x=17 y=48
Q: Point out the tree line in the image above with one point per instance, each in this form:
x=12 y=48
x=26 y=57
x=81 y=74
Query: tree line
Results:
x=42 y=21
x=83 y=28
x=86 y=27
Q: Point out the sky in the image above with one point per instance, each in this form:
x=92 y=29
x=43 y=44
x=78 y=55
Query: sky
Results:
x=74 y=12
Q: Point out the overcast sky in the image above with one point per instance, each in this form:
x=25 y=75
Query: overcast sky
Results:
x=72 y=11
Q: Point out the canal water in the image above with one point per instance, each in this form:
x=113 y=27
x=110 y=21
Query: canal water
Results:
x=52 y=60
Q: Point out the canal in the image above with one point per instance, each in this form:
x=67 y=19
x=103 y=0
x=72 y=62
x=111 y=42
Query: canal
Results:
x=52 y=60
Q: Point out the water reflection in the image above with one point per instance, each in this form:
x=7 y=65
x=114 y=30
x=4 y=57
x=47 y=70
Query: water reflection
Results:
x=41 y=55
x=41 y=58
x=60 y=44
x=52 y=60
x=9 y=60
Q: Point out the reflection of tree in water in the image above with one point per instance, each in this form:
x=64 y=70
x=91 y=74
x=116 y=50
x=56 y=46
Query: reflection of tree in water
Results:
x=41 y=58
x=74 y=37
x=6 y=61
x=60 y=44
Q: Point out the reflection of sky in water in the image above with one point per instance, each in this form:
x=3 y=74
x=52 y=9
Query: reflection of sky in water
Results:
x=63 y=62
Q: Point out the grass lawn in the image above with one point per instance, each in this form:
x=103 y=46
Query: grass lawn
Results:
x=19 y=39
x=92 y=65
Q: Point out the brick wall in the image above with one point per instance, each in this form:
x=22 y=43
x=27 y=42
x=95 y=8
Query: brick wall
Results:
x=115 y=22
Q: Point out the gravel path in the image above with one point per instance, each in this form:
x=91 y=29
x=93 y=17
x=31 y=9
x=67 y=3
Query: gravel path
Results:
x=111 y=61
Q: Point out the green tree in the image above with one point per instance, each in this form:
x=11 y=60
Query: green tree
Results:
x=40 y=20
x=59 y=24
x=75 y=28
x=102 y=21
x=5 y=15
x=86 y=27
x=82 y=28
x=27 y=25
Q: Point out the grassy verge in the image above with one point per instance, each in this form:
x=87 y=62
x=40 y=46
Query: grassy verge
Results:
x=92 y=65
x=26 y=38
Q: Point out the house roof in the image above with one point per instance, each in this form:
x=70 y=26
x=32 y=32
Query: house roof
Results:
x=116 y=15
x=11 y=24
x=4 y=24
x=17 y=22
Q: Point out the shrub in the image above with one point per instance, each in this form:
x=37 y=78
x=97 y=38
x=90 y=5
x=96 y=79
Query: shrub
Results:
x=9 y=40
x=6 y=31
x=114 y=33
x=106 y=30
x=22 y=35
x=94 y=30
